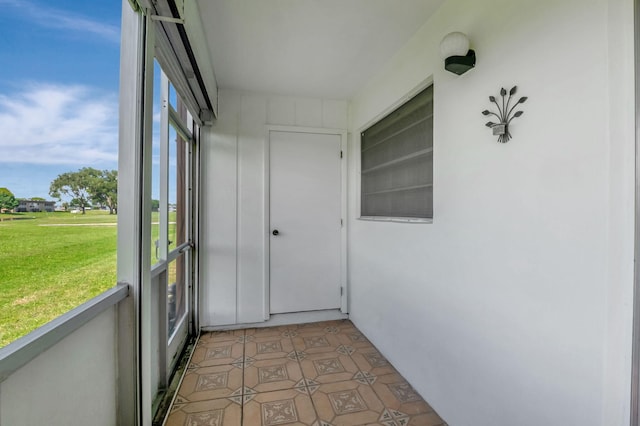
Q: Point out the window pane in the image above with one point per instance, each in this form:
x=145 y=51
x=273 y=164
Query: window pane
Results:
x=176 y=293
x=59 y=162
x=181 y=191
x=177 y=189
x=155 y=166
x=173 y=186
x=173 y=96
x=397 y=162
x=182 y=178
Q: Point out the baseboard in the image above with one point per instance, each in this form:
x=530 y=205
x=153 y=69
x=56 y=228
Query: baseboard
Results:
x=285 y=319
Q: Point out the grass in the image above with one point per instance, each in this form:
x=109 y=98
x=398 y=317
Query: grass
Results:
x=49 y=267
x=52 y=262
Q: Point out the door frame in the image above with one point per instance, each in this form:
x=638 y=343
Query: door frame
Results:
x=171 y=346
x=635 y=357
x=344 y=299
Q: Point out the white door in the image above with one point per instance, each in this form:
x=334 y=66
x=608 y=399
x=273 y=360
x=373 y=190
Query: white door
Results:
x=305 y=209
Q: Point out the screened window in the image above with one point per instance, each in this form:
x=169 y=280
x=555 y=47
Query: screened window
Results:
x=397 y=162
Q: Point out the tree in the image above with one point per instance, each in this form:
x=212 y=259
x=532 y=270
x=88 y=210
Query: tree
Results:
x=104 y=190
x=155 y=205
x=76 y=185
x=8 y=201
x=88 y=185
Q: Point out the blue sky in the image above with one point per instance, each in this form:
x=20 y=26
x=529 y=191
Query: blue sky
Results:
x=59 y=70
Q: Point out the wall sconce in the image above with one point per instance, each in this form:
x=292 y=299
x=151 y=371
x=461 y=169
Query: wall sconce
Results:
x=454 y=49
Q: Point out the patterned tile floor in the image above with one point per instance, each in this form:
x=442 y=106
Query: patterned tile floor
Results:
x=316 y=374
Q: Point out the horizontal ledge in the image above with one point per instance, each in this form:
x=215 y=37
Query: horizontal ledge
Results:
x=396 y=219
x=162 y=264
x=397 y=161
x=20 y=352
x=405 y=188
x=181 y=128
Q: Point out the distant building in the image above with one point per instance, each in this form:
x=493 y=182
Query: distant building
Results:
x=35 y=206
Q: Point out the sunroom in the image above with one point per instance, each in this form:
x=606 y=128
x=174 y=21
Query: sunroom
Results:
x=492 y=265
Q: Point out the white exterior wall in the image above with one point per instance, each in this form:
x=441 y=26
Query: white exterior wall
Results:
x=233 y=229
x=514 y=306
x=72 y=383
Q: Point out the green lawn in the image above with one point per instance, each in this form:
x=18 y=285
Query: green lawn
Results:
x=51 y=263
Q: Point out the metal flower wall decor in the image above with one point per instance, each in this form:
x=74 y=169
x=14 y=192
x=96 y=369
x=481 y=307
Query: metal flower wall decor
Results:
x=504 y=114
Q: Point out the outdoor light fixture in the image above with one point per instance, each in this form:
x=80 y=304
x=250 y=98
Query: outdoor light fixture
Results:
x=458 y=58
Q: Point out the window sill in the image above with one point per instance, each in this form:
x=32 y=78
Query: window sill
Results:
x=395 y=219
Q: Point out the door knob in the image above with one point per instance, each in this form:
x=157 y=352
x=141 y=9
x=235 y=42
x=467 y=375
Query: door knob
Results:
x=275 y=232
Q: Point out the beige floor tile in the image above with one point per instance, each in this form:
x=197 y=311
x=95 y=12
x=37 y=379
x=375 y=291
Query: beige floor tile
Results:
x=279 y=331
x=353 y=337
x=210 y=383
x=398 y=395
x=371 y=361
x=221 y=336
x=428 y=419
x=217 y=412
x=341 y=324
x=272 y=374
x=268 y=347
x=331 y=327
x=208 y=354
x=278 y=371
x=310 y=327
x=290 y=407
x=328 y=367
x=316 y=342
x=348 y=403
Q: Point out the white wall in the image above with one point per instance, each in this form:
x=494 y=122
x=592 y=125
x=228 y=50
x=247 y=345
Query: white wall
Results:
x=232 y=271
x=514 y=306
x=72 y=383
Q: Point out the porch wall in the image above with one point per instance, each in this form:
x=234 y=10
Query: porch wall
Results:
x=514 y=306
x=233 y=230
x=72 y=383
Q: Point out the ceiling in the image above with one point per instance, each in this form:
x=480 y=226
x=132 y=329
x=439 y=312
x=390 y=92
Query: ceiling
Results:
x=318 y=48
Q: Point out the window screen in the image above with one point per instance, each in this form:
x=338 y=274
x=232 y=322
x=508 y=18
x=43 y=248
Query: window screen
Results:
x=397 y=162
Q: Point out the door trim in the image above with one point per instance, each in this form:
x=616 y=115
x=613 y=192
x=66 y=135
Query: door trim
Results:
x=635 y=358
x=344 y=299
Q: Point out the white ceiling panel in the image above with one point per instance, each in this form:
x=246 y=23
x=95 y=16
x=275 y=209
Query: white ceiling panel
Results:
x=319 y=48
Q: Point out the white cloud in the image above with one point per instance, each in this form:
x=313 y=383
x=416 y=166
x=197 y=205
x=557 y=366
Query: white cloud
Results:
x=61 y=19
x=57 y=124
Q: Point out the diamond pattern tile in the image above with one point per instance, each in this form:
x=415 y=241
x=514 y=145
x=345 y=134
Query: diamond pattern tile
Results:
x=347 y=403
x=373 y=362
x=328 y=367
x=316 y=374
x=210 y=353
x=210 y=383
x=268 y=347
x=398 y=395
x=216 y=412
x=288 y=407
x=316 y=342
x=272 y=374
